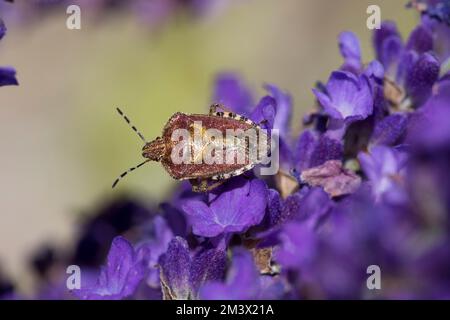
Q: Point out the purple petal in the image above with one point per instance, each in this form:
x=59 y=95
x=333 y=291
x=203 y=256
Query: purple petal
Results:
x=312 y=151
x=388 y=44
x=265 y=110
x=274 y=206
x=389 y=130
x=121 y=275
x=327 y=104
x=8 y=76
x=291 y=207
x=420 y=40
x=298 y=246
x=325 y=149
x=441 y=39
x=286 y=156
x=175 y=270
x=350 y=50
x=234 y=207
x=247 y=210
x=430 y=127
x=283 y=110
x=374 y=70
x=230 y=91
x=202 y=219
x=421 y=77
x=350 y=97
x=314 y=205
x=209 y=265
x=2 y=29
x=153 y=248
x=383 y=169
x=243 y=280
x=407 y=61
x=175 y=219
x=306 y=145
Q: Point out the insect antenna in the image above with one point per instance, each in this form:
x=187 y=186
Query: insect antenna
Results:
x=128 y=171
x=131 y=125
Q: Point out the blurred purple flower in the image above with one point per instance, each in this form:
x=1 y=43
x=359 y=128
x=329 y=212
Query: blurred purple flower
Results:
x=265 y=112
x=232 y=208
x=383 y=167
x=2 y=29
x=313 y=149
x=230 y=91
x=242 y=283
x=350 y=50
x=283 y=112
x=411 y=67
x=120 y=277
x=430 y=127
x=390 y=130
x=441 y=44
x=310 y=205
x=155 y=246
x=298 y=246
x=7 y=74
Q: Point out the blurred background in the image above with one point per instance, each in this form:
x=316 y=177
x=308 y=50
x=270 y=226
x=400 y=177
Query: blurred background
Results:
x=62 y=143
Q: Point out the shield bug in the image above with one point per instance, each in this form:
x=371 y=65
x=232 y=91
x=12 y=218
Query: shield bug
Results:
x=206 y=149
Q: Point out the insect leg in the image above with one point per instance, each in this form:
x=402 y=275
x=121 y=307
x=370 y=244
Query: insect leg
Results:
x=213 y=108
x=262 y=123
x=203 y=186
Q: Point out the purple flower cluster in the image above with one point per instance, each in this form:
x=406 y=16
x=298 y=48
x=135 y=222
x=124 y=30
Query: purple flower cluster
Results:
x=367 y=182
x=7 y=74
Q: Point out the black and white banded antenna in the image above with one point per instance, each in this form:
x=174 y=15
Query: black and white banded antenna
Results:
x=131 y=125
x=142 y=138
x=128 y=171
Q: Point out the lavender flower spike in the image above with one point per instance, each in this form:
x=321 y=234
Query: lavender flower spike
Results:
x=348 y=97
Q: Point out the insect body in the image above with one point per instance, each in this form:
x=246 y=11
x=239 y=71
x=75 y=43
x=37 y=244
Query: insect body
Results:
x=206 y=149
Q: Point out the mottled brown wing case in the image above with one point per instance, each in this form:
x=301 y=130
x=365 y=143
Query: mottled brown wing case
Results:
x=191 y=171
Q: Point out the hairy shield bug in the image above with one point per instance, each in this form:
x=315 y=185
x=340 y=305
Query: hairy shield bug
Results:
x=206 y=149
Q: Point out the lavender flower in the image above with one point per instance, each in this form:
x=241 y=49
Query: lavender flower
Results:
x=234 y=208
x=383 y=167
x=347 y=97
x=120 y=276
x=411 y=67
